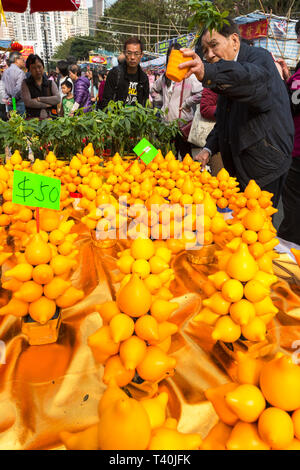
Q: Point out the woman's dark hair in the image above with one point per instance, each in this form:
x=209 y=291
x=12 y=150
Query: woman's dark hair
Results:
x=68 y=83
x=297 y=28
x=32 y=59
x=75 y=69
x=174 y=45
x=95 y=78
x=62 y=66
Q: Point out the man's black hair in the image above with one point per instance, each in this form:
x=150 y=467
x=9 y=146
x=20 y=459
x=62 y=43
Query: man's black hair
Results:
x=134 y=40
x=297 y=28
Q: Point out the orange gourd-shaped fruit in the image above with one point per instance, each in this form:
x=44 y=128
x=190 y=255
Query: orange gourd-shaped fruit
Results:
x=244 y=436
x=70 y=297
x=226 y=330
x=132 y=352
x=134 y=299
x=38 y=251
x=168 y=437
x=102 y=344
x=241 y=264
x=254 y=220
x=275 y=427
x=155 y=364
x=121 y=327
x=173 y=72
x=247 y=402
x=21 y=272
x=252 y=190
x=255 y=291
x=42 y=309
x=124 y=426
x=216 y=396
x=16 y=307
x=49 y=219
x=42 y=274
x=83 y=440
x=112 y=394
x=280 y=383
x=142 y=248
x=242 y=312
x=146 y=327
x=115 y=370
x=233 y=290
x=162 y=309
x=156 y=409
x=217 y=437
x=248 y=369
x=56 y=287
x=107 y=310
x=30 y=291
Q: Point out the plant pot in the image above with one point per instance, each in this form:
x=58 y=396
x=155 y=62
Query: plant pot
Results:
x=204 y=255
x=173 y=72
x=38 y=334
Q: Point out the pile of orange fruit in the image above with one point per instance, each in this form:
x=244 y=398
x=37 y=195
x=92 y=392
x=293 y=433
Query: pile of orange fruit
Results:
x=239 y=302
x=81 y=169
x=129 y=424
x=39 y=282
x=151 y=261
x=136 y=334
x=261 y=410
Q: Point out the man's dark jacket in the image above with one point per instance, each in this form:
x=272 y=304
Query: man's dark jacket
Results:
x=117 y=84
x=254 y=130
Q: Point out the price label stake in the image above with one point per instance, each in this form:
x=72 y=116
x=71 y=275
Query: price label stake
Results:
x=145 y=151
x=30 y=189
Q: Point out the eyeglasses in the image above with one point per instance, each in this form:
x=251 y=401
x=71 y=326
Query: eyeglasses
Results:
x=136 y=54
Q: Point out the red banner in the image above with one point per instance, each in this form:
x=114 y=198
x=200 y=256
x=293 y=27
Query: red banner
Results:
x=255 y=30
x=26 y=51
x=54 y=5
x=19 y=6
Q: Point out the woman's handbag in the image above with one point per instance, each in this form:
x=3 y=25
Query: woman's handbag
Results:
x=200 y=129
x=185 y=128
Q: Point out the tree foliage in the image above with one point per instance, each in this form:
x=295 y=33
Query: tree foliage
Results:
x=77 y=47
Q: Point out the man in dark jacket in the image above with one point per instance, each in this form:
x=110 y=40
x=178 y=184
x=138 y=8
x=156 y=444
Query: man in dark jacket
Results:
x=254 y=130
x=127 y=82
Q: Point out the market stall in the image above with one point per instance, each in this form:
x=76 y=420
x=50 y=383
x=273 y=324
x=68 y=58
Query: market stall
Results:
x=156 y=324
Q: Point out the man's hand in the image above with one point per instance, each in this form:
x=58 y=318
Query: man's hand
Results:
x=203 y=157
x=195 y=65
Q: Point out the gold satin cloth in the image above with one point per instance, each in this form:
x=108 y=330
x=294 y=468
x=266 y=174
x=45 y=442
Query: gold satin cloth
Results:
x=57 y=387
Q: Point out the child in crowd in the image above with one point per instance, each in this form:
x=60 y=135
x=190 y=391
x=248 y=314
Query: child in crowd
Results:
x=68 y=99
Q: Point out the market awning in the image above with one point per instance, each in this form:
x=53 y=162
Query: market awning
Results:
x=19 y=6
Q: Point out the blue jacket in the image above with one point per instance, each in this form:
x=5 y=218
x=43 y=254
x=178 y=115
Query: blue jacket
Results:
x=254 y=130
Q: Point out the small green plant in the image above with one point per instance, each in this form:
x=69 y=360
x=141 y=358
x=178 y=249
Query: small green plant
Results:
x=118 y=129
x=206 y=16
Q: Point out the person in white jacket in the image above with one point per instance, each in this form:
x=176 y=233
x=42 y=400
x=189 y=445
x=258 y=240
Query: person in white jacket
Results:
x=167 y=95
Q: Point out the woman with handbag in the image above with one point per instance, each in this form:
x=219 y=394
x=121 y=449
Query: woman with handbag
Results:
x=177 y=100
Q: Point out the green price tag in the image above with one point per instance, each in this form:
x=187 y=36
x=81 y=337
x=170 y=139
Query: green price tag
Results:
x=34 y=190
x=145 y=151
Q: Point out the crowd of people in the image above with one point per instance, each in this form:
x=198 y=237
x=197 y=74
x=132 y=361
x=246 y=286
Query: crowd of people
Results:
x=36 y=93
x=247 y=95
